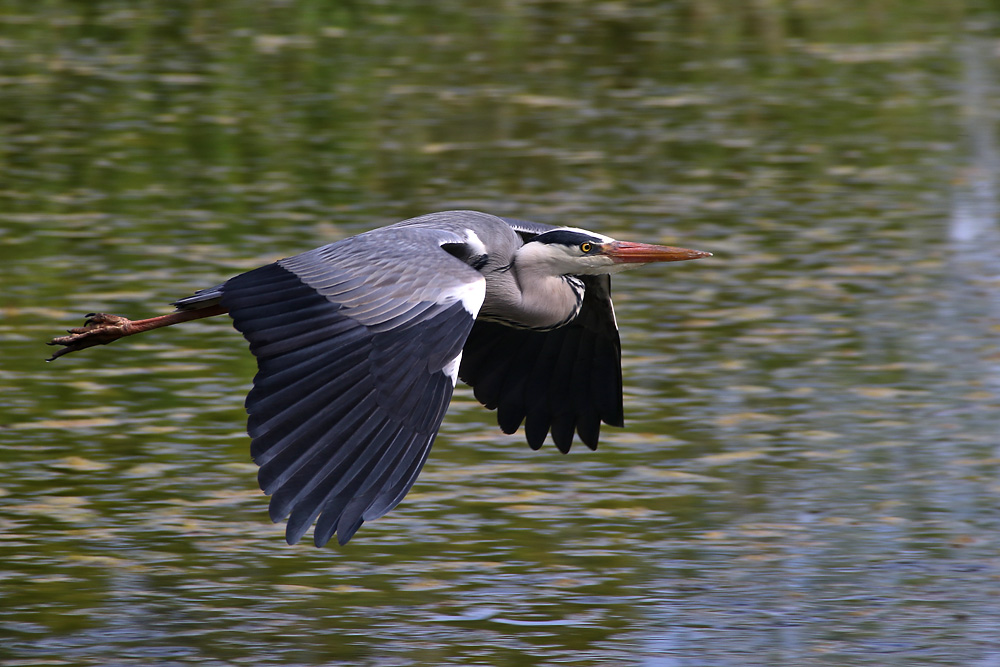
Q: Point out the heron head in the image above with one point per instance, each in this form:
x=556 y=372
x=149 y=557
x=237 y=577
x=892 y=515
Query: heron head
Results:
x=574 y=251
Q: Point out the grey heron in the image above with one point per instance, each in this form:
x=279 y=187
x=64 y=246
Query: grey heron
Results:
x=360 y=343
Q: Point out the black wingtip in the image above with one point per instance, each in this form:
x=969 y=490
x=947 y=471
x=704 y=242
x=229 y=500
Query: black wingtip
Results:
x=344 y=535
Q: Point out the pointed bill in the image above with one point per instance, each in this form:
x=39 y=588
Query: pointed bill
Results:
x=626 y=252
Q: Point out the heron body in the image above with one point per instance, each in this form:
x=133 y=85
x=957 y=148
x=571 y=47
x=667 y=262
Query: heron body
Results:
x=360 y=343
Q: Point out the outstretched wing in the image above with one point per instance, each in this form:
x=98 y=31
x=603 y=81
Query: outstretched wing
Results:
x=357 y=345
x=564 y=380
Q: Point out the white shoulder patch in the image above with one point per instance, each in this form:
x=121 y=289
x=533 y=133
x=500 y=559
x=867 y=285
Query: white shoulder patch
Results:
x=478 y=248
x=471 y=295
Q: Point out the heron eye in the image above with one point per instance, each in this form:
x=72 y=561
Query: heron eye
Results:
x=586 y=247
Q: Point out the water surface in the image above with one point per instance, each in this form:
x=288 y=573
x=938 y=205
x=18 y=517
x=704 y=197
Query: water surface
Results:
x=808 y=473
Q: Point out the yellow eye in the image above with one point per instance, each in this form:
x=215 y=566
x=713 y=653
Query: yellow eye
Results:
x=586 y=247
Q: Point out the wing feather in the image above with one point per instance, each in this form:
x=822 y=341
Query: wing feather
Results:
x=331 y=469
x=351 y=385
x=340 y=475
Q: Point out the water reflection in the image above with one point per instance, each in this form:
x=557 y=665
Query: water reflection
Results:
x=974 y=212
x=809 y=470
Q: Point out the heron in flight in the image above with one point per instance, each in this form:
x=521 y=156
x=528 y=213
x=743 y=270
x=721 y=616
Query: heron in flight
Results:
x=359 y=345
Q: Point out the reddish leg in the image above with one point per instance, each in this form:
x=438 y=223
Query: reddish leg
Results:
x=102 y=328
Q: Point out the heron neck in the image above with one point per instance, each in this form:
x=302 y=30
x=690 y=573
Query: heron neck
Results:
x=529 y=298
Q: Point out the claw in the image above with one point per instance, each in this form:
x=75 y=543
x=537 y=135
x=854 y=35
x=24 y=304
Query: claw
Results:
x=102 y=328
x=98 y=329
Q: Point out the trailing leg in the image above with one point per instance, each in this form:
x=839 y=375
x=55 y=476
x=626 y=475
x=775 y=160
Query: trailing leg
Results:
x=103 y=328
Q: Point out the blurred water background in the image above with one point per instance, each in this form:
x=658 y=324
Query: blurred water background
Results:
x=809 y=470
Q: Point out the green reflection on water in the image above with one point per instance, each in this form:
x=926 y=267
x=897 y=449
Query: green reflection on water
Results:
x=808 y=472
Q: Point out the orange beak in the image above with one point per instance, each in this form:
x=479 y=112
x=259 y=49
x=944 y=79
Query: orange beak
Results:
x=626 y=252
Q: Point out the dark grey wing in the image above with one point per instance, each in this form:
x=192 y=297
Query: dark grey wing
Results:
x=357 y=348
x=565 y=380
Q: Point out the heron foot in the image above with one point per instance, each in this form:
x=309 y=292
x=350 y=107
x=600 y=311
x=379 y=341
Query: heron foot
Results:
x=98 y=329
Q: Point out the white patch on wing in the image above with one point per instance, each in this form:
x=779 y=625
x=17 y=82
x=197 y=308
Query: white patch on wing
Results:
x=451 y=369
x=475 y=243
x=471 y=295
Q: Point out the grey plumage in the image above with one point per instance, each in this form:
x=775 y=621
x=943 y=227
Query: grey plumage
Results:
x=352 y=385
x=353 y=342
x=359 y=345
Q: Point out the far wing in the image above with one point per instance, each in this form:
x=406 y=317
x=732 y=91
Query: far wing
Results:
x=357 y=347
x=565 y=380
